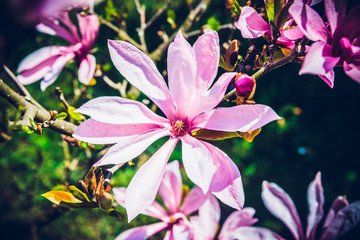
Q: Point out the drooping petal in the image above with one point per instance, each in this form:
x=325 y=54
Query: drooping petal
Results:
x=209 y=99
x=339 y=203
x=352 y=71
x=55 y=70
x=319 y=60
x=254 y=233
x=309 y=21
x=329 y=78
x=181 y=64
x=171 y=187
x=119 y=110
x=141 y=72
x=143 y=232
x=205 y=225
x=144 y=185
x=344 y=221
x=193 y=201
x=95 y=132
x=129 y=147
x=89 y=27
x=335 y=12
x=207 y=53
x=226 y=183
x=197 y=162
x=315 y=202
x=243 y=118
x=251 y=24
x=53 y=27
x=87 y=69
x=279 y=203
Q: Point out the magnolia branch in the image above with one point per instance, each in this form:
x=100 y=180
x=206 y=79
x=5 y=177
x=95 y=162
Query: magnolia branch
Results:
x=31 y=110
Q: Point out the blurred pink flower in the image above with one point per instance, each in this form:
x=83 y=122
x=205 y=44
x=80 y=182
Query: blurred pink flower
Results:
x=178 y=206
x=338 y=47
x=47 y=62
x=187 y=104
x=341 y=217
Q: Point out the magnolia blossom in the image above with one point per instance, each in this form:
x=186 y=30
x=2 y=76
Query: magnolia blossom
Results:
x=47 y=62
x=173 y=219
x=340 y=219
x=252 y=25
x=188 y=105
x=338 y=47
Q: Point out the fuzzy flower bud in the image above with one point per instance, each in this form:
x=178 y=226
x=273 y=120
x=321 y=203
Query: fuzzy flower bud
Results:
x=244 y=85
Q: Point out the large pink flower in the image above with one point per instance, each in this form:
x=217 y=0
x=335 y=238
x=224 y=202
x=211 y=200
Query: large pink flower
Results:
x=339 y=46
x=174 y=218
x=47 y=62
x=187 y=104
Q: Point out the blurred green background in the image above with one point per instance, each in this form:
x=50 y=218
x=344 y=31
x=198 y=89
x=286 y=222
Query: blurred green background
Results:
x=318 y=132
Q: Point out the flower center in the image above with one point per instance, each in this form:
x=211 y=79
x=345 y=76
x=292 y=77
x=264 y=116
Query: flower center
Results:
x=179 y=127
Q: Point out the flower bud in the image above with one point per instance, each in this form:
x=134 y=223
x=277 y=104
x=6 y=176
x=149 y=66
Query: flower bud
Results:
x=244 y=85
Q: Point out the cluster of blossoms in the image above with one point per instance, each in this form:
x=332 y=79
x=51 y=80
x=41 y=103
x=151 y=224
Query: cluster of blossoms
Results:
x=189 y=103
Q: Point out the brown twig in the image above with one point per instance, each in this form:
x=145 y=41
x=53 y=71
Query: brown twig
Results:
x=59 y=93
x=141 y=31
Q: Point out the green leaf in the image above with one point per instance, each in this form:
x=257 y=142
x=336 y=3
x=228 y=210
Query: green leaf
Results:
x=61 y=116
x=213 y=23
x=214 y=135
x=26 y=129
x=110 y=10
x=171 y=18
x=60 y=196
x=79 y=194
x=236 y=7
x=74 y=115
x=273 y=7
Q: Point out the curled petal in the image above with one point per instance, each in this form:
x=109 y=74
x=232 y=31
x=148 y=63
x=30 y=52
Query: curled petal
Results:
x=309 y=21
x=251 y=24
x=53 y=27
x=87 y=69
x=144 y=185
x=236 y=220
x=117 y=110
x=197 y=162
x=129 y=147
x=141 y=72
x=339 y=203
x=143 y=232
x=352 y=71
x=181 y=62
x=171 y=187
x=243 y=118
x=316 y=202
x=278 y=202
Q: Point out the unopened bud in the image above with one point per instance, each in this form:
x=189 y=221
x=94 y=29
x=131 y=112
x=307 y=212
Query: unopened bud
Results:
x=244 y=85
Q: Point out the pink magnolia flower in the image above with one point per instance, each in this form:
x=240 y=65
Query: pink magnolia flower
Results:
x=47 y=62
x=173 y=219
x=252 y=25
x=187 y=104
x=339 y=46
x=341 y=217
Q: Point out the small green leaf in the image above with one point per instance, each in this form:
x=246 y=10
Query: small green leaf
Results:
x=79 y=194
x=171 y=18
x=214 y=135
x=61 y=116
x=26 y=129
x=74 y=115
x=60 y=196
x=213 y=23
x=236 y=7
x=273 y=7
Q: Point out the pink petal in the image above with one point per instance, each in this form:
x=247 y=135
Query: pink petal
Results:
x=193 y=201
x=87 y=69
x=141 y=72
x=236 y=220
x=251 y=24
x=205 y=225
x=254 y=233
x=293 y=33
x=144 y=185
x=226 y=183
x=316 y=202
x=171 y=187
x=180 y=231
x=119 y=110
x=181 y=63
x=335 y=12
x=129 y=147
x=329 y=78
x=309 y=21
x=53 y=27
x=207 y=53
x=211 y=98
x=241 y=118
x=339 y=203
x=278 y=202
x=119 y=195
x=95 y=132
x=89 y=27
x=197 y=162
x=319 y=60
x=156 y=210
x=55 y=70
x=143 y=232
x=352 y=71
